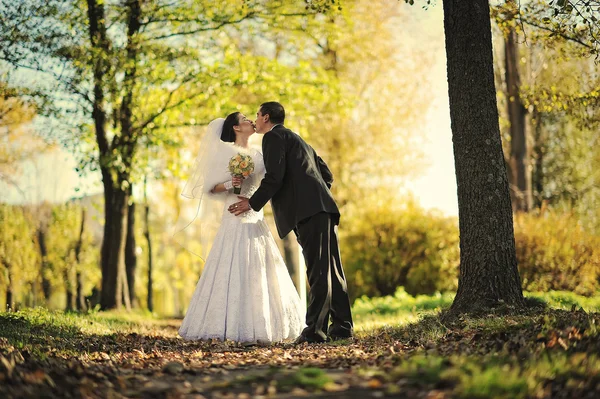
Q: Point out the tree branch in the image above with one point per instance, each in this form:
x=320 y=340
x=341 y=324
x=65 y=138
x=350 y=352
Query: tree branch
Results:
x=203 y=29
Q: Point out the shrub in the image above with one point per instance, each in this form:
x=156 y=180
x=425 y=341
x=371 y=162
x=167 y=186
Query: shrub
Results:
x=555 y=253
x=384 y=248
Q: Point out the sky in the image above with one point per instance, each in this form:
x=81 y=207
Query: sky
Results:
x=52 y=176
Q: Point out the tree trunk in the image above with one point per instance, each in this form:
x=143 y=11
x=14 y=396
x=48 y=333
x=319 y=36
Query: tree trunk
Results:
x=46 y=285
x=520 y=176
x=538 y=157
x=70 y=305
x=9 y=289
x=112 y=247
x=149 y=243
x=130 y=255
x=115 y=198
x=488 y=265
x=79 y=298
x=122 y=291
x=128 y=135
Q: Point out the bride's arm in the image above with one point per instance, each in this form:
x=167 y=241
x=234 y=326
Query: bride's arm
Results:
x=226 y=186
x=219 y=188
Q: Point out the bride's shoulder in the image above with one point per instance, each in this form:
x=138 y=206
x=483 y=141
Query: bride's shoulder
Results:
x=257 y=154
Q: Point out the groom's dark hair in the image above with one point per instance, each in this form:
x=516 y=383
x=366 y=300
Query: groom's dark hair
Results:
x=274 y=110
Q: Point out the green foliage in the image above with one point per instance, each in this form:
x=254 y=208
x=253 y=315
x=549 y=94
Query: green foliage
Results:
x=20 y=258
x=561 y=99
x=555 y=253
x=385 y=247
x=18 y=254
x=63 y=243
x=556 y=20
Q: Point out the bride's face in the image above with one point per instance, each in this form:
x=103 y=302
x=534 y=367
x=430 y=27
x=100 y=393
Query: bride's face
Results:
x=245 y=126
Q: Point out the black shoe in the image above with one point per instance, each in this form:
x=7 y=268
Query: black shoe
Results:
x=311 y=340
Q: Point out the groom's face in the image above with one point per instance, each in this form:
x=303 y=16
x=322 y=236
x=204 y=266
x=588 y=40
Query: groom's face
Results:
x=261 y=121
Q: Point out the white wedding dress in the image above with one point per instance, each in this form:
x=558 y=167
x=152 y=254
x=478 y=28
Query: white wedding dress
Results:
x=245 y=292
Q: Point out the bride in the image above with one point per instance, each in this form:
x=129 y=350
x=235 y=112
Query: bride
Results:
x=245 y=293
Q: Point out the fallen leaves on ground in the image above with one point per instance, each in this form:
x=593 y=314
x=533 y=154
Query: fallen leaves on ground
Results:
x=384 y=362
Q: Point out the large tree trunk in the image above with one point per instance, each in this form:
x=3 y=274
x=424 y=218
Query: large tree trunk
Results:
x=130 y=255
x=128 y=135
x=112 y=246
x=520 y=176
x=488 y=264
x=150 y=297
x=115 y=198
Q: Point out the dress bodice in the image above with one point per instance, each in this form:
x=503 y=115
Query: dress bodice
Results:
x=249 y=186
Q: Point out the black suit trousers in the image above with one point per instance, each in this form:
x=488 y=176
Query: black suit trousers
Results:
x=328 y=295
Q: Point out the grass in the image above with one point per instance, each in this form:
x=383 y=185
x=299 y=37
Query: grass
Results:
x=402 y=308
x=498 y=377
x=88 y=323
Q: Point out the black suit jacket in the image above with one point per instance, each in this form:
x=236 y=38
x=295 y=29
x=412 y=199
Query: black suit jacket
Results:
x=297 y=180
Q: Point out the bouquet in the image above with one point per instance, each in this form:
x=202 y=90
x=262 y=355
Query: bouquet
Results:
x=241 y=165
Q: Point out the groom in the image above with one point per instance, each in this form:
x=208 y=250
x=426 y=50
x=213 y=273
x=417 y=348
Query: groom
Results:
x=297 y=182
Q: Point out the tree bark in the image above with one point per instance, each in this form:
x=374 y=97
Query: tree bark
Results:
x=112 y=246
x=9 y=288
x=46 y=285
x=128 y=137
x=520 y=176
x=538 y=157
x=70 y=305
x=115 y=198
x=130 y=255
x=122 y=293
x=79 y=298
x=488 y=265
x=150 y=297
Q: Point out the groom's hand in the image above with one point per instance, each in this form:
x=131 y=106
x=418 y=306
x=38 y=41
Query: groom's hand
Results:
x=240 y=207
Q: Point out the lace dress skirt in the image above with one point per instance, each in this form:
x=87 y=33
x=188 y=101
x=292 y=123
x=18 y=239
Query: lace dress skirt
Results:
x=245 y=292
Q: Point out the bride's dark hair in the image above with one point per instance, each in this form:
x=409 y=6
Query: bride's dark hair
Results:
x=228 y=134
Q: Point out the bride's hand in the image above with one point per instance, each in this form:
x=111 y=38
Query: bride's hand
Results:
x=237 y=181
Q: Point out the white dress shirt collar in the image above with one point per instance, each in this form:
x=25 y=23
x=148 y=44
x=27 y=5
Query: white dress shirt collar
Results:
x=273 y=127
